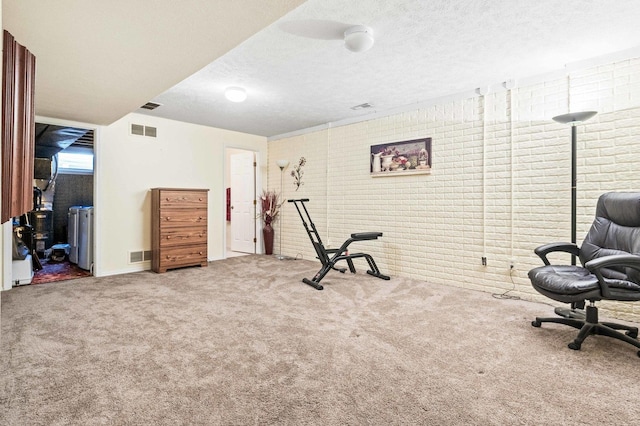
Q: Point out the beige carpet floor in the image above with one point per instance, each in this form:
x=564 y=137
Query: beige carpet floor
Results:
x=244 y=342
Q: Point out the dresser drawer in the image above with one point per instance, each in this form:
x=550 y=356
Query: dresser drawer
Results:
x=176 y=257
x=179 y=217
x=170 y=237
x=183 y=199
x=179 y=230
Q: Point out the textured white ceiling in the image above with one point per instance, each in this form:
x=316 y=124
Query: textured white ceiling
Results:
x=98 y=60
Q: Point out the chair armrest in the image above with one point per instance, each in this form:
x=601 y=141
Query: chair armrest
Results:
x=624 y=260
x=360 y=236
x=628 y=260
x=544 y=250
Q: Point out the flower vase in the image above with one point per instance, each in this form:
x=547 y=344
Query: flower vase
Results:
x=267 y=237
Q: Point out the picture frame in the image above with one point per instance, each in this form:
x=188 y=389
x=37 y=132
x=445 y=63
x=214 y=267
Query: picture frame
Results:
x=409 y=157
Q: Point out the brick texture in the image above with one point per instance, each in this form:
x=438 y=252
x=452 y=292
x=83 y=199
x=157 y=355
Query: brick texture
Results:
x=499 y=187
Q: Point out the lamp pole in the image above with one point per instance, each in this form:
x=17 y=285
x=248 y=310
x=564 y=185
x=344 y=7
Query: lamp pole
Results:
x=283 y=165
x=573 y=119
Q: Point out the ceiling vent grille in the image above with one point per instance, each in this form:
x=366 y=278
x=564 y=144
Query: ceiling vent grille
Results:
x=362 y=106
x=150 y=106
x=140 y=130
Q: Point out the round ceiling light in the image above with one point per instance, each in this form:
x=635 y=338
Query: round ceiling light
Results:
x=358 y=38
x=235 y=94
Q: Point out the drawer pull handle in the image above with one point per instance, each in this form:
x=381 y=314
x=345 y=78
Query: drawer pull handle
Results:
x=168 y=218
x=201 y=253
x=168 y=237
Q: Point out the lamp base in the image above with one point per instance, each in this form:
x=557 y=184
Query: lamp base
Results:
x=283 y=257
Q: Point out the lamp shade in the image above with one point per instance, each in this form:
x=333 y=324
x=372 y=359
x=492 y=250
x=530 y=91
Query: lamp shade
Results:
x=574 y=118
x=282 y=163
x=358 y=38
x=235 y=94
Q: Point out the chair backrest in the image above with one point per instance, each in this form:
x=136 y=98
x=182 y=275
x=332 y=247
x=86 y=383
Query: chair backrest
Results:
x=615 y=230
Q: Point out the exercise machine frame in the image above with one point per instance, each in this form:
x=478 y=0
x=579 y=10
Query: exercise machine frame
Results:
x=329 y=257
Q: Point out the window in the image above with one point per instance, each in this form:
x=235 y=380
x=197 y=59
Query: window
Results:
x=75 y=161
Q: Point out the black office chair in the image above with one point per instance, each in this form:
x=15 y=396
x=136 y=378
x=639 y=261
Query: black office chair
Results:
x=329 y=257
x=610 y=270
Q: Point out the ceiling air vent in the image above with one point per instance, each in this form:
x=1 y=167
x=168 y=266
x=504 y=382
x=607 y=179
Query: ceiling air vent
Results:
x=362 y=106
x=150 y=106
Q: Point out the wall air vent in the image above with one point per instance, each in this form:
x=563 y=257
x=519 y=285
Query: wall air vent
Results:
x=362 y=106
x=139 y=256
x=150 y=131
x=150 y=106
x=137 y=129
x=140 y=130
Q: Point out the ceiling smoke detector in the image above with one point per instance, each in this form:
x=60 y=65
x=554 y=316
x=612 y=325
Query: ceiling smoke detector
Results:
x=358 y=38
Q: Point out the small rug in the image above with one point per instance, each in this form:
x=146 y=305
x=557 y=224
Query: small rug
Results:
x=58 y=271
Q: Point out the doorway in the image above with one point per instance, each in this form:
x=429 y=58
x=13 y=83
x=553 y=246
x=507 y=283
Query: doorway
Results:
x=61 y=249
x=241 y=214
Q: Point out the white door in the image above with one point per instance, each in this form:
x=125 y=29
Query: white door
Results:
x=243 y=209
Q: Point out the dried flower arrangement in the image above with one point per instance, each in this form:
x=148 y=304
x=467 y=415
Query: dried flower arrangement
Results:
x=270 y=206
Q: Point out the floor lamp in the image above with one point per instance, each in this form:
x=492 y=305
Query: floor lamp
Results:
x=283 y=165
x=573 y=119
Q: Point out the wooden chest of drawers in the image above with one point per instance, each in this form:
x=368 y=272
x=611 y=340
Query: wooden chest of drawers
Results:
x=178 y=228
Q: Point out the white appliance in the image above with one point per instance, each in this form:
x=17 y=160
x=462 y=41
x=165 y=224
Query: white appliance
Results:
x=22 y=271
x=85 y=238
x=72 y=232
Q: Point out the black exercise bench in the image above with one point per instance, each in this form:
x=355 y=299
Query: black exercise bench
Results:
x=329 y=257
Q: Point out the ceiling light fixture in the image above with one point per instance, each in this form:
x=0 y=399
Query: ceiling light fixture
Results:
x=358 y=38
x=235 y=94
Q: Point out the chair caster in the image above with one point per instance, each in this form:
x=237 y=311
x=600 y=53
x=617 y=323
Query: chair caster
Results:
x=575 y=346
x=536 y=323
x=638 y=353
x=632 y=334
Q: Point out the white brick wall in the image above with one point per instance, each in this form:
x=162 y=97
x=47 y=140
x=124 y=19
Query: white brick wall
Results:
x=499 y=187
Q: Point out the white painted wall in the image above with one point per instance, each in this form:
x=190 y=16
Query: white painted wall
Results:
x=500 y=184
x=183 y=156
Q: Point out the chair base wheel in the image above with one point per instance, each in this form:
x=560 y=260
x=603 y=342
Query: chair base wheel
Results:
x=632 y=334
x=536 y=323
x=575 y=346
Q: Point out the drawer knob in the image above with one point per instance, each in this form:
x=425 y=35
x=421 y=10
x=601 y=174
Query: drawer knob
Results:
x=168 y=218
x=201 y=253
x=168 y=237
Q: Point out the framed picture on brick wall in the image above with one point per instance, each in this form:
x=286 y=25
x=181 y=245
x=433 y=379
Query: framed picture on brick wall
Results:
x=401 y=158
